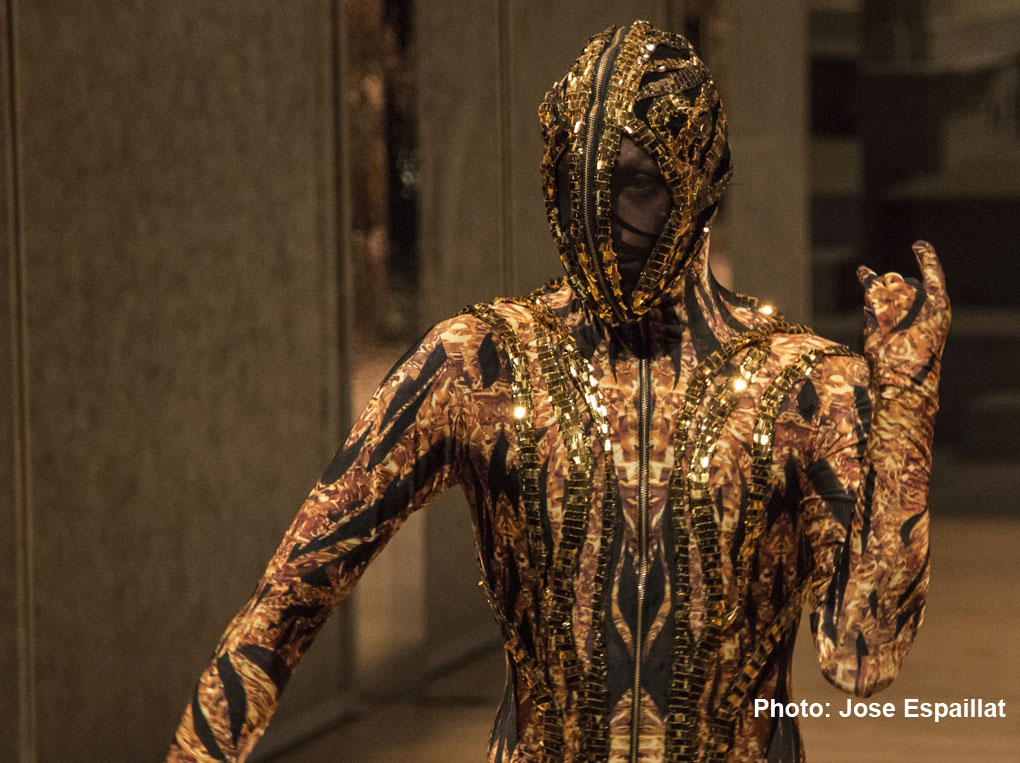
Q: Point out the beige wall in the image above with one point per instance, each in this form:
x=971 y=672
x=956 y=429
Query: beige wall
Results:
x=763 y=77
x=176 y=248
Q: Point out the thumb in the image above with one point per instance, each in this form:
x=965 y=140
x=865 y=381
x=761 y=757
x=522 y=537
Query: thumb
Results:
x=866 y=275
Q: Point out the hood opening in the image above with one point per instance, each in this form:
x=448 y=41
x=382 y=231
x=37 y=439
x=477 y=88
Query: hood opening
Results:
x=650 y=87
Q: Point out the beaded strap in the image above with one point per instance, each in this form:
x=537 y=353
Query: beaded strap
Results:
x=735 y=696
x=520 y=389
x=690 y=490
x=761 y=455
x=592 y=694
x=586 y=687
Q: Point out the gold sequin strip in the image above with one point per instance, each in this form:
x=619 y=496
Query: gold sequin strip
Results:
x=761 y=455
x=520 y=388
x=558 y=593
x=520 y=385
x=704 y=526
x=702 y=509
x=687 y=679
x=735 y=695
x=721 y=723
x=589 y=686
x=685 y=77
x=619 y=97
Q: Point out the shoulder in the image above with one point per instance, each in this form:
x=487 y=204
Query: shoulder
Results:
x=478 y=327
x=791 y=341
x=823 y=376
x=483 y=338
x=831 y=392
x=511 y=318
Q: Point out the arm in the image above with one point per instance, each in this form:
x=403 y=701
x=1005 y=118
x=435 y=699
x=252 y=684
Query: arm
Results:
x=401 y=453
x=866 y=507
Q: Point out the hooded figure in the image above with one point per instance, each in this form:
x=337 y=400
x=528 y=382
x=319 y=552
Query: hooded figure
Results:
x=661 y=473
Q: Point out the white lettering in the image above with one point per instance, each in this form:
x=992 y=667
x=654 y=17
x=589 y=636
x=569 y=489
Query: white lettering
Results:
x=868 y=709
x=815 y=709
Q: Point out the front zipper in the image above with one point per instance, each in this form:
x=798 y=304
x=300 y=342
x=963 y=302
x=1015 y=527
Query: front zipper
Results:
x=593 y=134
x=644 y=427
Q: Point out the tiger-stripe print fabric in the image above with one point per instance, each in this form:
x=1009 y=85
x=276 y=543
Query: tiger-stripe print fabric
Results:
x=844 y=525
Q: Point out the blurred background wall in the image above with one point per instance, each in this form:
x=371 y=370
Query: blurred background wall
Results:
x=171 y=350
x=222 y=222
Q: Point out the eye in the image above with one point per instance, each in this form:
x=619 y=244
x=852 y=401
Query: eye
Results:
x=642 y=181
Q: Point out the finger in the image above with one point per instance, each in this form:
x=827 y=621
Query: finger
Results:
x=931 y=268
x=870 y=319
x=866 y=275
x=916 y=305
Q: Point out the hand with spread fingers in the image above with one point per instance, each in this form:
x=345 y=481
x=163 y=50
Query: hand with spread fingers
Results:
x=905 y=321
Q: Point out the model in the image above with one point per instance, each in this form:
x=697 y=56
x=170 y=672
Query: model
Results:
x=662 y=473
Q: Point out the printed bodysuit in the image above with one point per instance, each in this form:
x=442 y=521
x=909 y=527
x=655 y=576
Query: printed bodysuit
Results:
x=661 y=474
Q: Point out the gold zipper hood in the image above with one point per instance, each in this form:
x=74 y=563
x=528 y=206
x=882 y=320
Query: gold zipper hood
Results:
x=650 y=86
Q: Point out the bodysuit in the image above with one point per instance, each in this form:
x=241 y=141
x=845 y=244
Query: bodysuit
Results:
x=661 y=478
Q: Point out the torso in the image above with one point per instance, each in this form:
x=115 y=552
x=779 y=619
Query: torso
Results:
x=571 y=618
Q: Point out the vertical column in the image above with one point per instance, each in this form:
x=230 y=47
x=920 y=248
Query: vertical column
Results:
x=17 y=706
x=763 y=82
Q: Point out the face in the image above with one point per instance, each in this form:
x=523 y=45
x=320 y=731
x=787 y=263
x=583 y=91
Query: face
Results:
x=641 y=203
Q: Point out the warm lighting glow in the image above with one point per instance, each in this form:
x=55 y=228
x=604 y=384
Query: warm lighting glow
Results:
x=519 y=412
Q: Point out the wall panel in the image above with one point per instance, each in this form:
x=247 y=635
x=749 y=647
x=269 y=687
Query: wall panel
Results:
x=12 y=505
x=180 y=281
x=764 y=86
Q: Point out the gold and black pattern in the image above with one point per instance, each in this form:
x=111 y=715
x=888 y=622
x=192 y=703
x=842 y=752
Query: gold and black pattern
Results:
x=692 y=515
x=591 y=694
x=583 y=117
x=558 y=361
x=533 y=675
x=762 y=439
x=736 y=694
x=520 y=388
x=744 y=465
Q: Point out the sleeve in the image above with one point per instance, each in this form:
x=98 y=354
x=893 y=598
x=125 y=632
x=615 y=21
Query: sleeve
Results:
x=866 y=520
x=402 y=452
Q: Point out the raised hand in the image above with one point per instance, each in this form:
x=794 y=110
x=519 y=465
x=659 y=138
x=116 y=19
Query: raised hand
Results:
x=905 y=320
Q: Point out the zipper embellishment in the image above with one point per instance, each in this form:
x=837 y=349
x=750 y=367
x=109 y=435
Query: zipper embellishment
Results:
x=644 y=431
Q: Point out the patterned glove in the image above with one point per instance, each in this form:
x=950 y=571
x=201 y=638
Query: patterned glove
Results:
x=905 y=324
